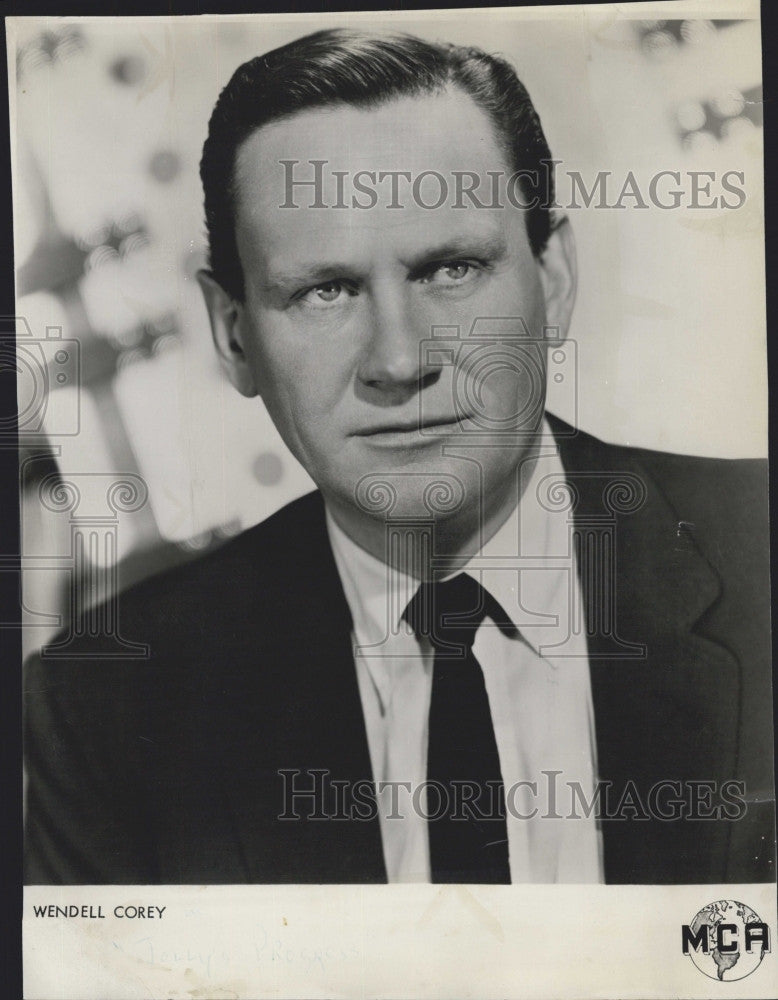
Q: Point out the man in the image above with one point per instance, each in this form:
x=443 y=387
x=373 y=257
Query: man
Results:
x=488 y=648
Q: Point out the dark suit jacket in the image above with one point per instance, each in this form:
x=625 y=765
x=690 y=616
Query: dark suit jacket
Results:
x=166 y=769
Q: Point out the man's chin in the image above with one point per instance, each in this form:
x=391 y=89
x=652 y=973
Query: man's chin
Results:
x=403 y=490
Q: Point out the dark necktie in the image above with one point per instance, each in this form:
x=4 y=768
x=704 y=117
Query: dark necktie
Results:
x=468 y=837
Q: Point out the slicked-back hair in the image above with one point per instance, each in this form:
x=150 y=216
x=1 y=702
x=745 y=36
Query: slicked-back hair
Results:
x=342 y=66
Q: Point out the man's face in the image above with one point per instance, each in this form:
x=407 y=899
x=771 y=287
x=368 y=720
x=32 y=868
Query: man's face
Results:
x=341 y=302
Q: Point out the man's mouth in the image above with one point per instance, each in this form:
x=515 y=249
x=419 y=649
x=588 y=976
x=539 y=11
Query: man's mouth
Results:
x=398 y=428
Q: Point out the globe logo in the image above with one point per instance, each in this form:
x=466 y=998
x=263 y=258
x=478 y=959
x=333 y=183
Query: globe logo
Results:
x=726 y=940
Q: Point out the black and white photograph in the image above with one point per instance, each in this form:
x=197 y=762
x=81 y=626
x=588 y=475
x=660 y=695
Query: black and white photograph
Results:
x=392 y=427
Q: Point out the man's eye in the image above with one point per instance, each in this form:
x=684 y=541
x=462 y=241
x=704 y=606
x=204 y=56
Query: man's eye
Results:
x=452 y=272
x=325 y=294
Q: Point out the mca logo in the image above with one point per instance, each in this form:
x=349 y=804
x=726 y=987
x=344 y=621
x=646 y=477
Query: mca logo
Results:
x=726 y=940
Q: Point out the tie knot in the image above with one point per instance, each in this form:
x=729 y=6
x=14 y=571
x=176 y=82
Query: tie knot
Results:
x=449 y=613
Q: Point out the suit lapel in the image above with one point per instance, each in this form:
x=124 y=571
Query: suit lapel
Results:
x=666 y=697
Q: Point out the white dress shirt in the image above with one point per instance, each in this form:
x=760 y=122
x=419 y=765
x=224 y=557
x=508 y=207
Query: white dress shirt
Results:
x=537 y=683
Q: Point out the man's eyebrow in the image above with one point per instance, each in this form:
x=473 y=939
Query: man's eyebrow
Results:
x=487 y=247
x=308 y=274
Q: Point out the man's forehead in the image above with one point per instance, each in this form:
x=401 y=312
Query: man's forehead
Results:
x=444 y=131
x=305 y=252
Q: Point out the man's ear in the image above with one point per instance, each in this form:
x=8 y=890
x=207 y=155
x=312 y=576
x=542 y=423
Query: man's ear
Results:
x=226 y=316
x=559 y=274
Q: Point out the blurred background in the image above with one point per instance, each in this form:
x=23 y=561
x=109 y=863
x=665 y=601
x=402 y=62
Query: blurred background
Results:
x=118 y=381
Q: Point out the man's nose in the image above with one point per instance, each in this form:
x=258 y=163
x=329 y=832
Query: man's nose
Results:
x=394 y=359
